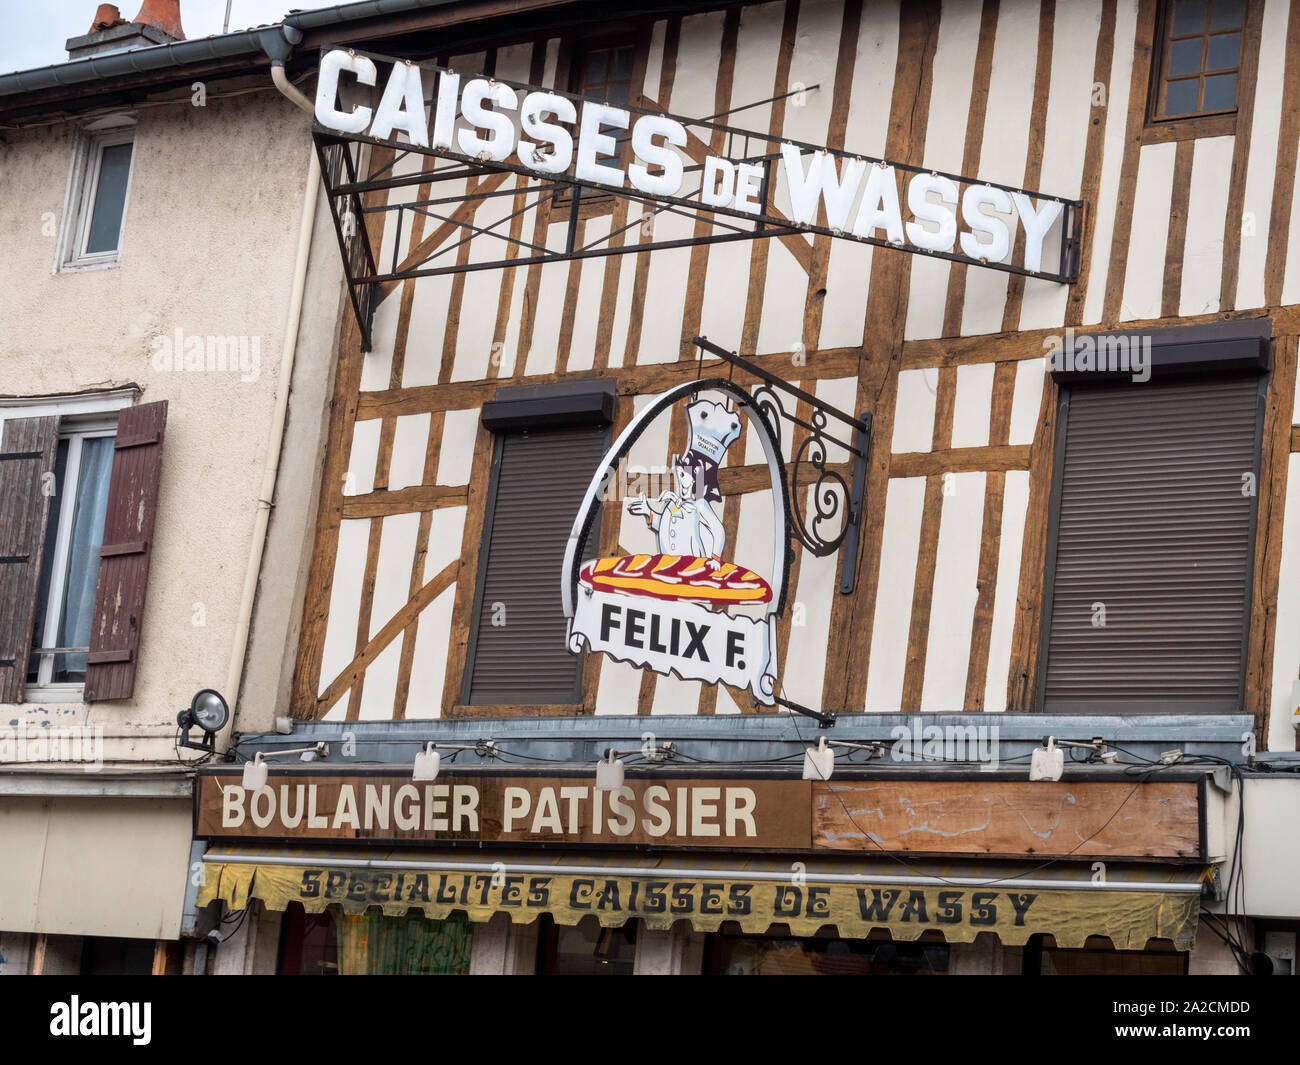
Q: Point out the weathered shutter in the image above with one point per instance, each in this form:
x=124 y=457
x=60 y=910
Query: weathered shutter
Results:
x=124 y=556
x=27 y=452
x=1151 y=584
x=518 y=652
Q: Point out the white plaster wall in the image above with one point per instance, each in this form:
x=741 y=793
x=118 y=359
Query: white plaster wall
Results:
x=208 y=247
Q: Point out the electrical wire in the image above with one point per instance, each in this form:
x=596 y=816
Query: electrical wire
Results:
x=1235 y=934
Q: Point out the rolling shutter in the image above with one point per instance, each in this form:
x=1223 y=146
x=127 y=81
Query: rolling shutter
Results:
x=518 y=652
x=1150 y=593
x=124 y=556
x=27 y=452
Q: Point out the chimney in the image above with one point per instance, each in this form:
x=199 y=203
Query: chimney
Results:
x=106 y=17
x=159 y=22
x=164 y=15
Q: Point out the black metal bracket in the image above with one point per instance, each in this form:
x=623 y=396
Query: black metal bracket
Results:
x=823 y=531
x=824 y=719
x=558 y=199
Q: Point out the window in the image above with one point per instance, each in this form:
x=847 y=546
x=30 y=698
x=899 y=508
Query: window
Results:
x=602 y=71
x=550 y=439
x=98 y=188
x=1152 y=528
x=1198 y=58
x=605 y=72
x=333 y=943
x=74 y=534
x=79 y=480
x=585 y=949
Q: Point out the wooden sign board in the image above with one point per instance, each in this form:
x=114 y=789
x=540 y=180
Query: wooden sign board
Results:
x=989 y=818
x=1086 y=820
x=726 y=814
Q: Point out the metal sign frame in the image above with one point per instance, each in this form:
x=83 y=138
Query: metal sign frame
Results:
x=342 y=156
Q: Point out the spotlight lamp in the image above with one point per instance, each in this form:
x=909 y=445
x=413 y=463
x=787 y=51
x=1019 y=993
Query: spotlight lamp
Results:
x=207 y=711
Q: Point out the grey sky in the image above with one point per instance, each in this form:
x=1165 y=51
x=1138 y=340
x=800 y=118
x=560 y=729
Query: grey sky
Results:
x=32 y=32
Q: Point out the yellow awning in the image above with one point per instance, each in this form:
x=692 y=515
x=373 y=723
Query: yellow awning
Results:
x=1128 y=904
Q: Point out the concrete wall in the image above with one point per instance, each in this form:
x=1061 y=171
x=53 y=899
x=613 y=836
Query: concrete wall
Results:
x=208 y=248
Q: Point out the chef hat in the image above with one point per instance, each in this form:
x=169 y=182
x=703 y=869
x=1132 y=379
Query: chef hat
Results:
x=714 y=428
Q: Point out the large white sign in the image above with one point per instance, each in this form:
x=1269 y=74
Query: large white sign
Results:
x=548 y=133
x=681 y=607
x=681 y=637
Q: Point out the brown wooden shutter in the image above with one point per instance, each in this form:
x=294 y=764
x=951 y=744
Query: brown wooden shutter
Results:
x=124 y=556
x=27 y=452
x=540 y=478
x=1155 y=526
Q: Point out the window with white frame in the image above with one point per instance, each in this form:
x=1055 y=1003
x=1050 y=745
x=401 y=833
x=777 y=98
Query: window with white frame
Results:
x=98 y=190
x=74 y=533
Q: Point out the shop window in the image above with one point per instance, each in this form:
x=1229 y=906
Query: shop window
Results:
x=734 y=954
x=542 y=464
x=373 y=944
x=1099 y=958
x=1152 y=528
x=1198 y=58
x=79 y=476
x=309 y=943
x=98 y=190
x=585 y=949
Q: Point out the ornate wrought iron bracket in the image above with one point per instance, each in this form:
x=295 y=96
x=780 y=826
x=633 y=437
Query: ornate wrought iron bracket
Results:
x=829 y=493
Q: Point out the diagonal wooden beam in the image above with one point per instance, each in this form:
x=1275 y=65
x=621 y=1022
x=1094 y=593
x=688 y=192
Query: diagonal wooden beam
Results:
x=396 y=624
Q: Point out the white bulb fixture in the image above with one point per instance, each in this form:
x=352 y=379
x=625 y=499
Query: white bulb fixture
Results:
x=427 y=763
x=819 y=761
x=256 y=773
x=1047 y=763
x=609 y=772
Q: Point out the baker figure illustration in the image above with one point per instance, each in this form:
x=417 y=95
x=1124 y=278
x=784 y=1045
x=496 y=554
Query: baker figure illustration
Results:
x=684 y=520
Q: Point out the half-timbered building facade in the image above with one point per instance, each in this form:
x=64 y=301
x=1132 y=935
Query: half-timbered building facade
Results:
x=1027 y=616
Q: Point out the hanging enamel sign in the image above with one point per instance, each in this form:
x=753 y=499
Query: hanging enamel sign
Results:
x=683 y=606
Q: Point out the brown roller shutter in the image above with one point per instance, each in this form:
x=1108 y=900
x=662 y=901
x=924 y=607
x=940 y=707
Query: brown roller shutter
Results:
x=1154 y=536
x=539 y=480
x=124 y=556
x=27 y=452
